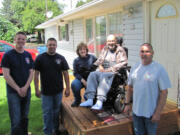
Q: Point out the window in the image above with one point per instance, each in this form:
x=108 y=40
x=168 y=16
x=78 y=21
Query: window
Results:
x=167 y=10
x=89 y=35
x=100 y=33
x=63 y=33
x=114 y=23
x=5 y=48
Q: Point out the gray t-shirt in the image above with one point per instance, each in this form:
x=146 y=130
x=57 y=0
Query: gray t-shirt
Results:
x=147 y=81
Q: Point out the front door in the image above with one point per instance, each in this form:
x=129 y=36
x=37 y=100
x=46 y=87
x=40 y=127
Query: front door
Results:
x=165 y=38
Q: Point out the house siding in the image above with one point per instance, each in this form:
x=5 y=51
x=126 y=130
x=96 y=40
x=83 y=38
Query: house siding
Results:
x=132 y=28
x=51 y=32
x=68 y=49
x=133 y=32
x=78 y=32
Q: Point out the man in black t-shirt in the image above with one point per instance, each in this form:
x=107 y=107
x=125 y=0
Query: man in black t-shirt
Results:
x=51 y=67
x=17 y=66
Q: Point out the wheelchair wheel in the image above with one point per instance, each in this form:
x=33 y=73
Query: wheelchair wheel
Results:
x=119 y=103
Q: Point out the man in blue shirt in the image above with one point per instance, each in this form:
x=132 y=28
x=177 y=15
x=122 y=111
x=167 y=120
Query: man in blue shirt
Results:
x=148 y=83
x=17 y=66
x=51 y=67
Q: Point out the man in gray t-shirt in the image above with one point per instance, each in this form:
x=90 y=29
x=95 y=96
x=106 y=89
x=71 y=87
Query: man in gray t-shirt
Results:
x=147 y=83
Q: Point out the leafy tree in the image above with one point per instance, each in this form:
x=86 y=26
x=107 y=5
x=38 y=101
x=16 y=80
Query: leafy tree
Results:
x=81 y=2
x=6 y=9
x=34 y=13
x=12 y=11
x=17 y=7
x=7 y=30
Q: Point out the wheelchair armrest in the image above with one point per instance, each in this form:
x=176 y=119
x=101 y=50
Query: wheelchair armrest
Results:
x=125 y=68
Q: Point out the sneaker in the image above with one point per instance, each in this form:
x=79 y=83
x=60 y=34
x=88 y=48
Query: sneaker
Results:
x=75 y=104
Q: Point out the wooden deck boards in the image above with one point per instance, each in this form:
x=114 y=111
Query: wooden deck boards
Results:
x=87 y=122
x=83 y=121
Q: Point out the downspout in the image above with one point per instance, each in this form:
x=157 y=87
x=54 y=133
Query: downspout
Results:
x=72 y=32
x=147 y=24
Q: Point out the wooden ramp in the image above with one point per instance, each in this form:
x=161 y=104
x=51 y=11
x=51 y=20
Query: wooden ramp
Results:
x=83 y=121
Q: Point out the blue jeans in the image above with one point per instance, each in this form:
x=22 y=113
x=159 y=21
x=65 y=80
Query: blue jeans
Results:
x=18 y=112
x=51 y=108
x=144 y=126
x=100 y=82
x=76 y=87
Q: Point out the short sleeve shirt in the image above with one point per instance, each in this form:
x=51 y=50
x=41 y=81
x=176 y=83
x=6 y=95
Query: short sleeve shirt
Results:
x=51 y=68
x=147 y=81
x=19 y=65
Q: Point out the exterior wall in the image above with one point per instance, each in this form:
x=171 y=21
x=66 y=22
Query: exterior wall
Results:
x=133 y=31
x=51 y=32
x=76 y=35
x=78 y=30
x=132 y=28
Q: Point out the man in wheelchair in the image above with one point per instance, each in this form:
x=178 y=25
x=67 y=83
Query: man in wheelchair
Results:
x=111 y=59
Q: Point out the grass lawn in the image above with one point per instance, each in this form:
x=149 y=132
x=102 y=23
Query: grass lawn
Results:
x=35 y=115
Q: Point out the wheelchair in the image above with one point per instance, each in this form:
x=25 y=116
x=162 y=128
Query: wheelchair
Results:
x=116 y=95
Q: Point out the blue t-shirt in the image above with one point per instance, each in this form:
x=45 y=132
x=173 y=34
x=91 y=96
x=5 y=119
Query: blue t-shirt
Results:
x=147 y=81
x=19 y=65
x=50 y=68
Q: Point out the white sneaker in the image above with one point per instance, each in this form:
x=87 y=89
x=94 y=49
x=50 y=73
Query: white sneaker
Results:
x=98 y=105
x=87 y=103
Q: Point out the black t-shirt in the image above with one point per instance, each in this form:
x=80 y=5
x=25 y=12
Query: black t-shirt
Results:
x=50 y=68
x=19 y=65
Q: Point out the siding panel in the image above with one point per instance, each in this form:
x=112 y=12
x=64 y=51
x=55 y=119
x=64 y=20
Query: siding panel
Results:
x=51 y=32
x=133 y=31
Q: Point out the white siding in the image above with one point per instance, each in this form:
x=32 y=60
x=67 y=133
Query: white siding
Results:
x=51 y=32
x=76 y=35
x=69 y=56
x=132 y=29
x=78 y=32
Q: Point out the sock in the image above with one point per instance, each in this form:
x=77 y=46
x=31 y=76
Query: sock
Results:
x=89 y=102
x=98 y=105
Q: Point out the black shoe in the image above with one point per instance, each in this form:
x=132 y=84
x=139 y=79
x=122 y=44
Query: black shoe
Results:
x=75 y=104
x=57 y=132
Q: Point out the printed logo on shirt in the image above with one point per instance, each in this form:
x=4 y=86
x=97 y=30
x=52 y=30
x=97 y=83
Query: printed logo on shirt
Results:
x=58 y=61
x=27 y=60
x=148 y=76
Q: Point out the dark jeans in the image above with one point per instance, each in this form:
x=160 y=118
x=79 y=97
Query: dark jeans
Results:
x=51 y=109
x=18 y=112
x=76 y=87
x=144 y=126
